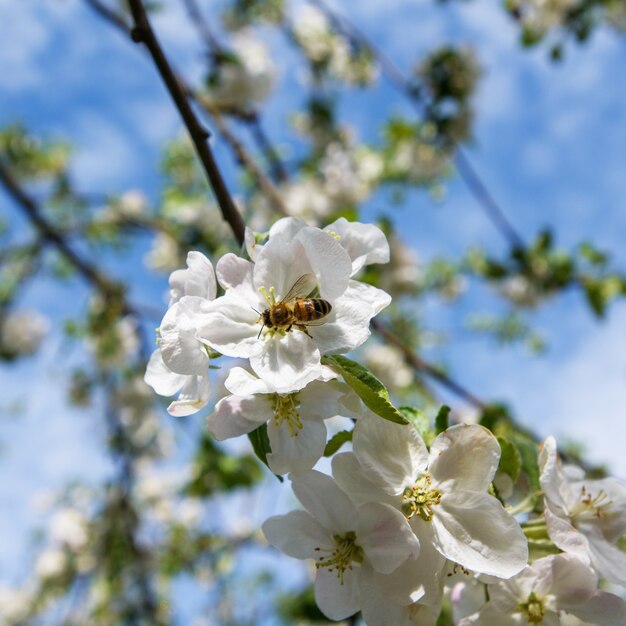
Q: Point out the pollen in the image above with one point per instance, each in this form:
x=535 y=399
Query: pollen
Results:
x=341 y=557
x=286 y=412
x=333 y=234
x=533 y=609
x=420 y=499
x=158 y=336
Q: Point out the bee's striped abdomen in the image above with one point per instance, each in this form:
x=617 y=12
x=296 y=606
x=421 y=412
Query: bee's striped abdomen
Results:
x=309 y=309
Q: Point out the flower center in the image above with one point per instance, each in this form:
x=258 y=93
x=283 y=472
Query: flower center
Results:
x=533 y=609
x=286 y=412
x=590 y=506
x=420 y=499
x=340 y=559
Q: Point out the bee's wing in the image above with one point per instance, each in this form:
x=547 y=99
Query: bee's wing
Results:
x=301 y=288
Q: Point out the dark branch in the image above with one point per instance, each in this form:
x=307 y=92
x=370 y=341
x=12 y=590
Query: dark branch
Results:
x=142 y=33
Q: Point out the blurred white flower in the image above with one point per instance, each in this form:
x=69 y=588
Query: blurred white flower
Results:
x=50 y=563
x=21 y=332
x=69 y=527
x=387 y=363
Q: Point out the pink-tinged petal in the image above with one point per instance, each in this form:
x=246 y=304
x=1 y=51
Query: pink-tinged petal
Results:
x=161 y=378
x=385 y=536
x=328 y=261
x=474 y=530
x=286 y=362
x=391 y=453
x=298 y=535
x=193 y=396
x=320 y=496
x=294 y=451
x=364 y=243
x=467 y=455
x=603 y=609
x=231 y=327
x=606 y=558
x=243 y=383
x=197 y=280
x=238 y=415
x=355 y=481
x=338 y=598
x=181 y=350
x=467 y=598
x=565 y=536
x=233 y=272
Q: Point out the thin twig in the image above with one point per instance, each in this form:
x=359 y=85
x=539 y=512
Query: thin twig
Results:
x=143 y=33
x=464 y=167
x=279 y=171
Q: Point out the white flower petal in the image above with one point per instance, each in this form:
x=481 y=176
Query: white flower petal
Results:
x=243 y=383
x=238 y=415
x=181 y=350
x=293 y=452
x=385 y=536
x=322 y=400
x=231 y=326
x=197 y=280
x=570 y=580
x=352 y=479
x=606 y=558
x=474 y=530
x=552 y=481
x=466 y=455
x=233 y=272
x=286 y=362
x=364 y=243
x=394 y=453
x=161 y=378
x=565 y=536
x=320 y=496
x=376 y=298
x=603 y=609
x=297 y=534
x=337 y=599
x=193 y=396
x=287 y=227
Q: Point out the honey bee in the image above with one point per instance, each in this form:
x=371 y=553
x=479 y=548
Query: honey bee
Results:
x=295 y=309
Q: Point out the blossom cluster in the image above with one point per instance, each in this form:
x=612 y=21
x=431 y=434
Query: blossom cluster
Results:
x=406 y=522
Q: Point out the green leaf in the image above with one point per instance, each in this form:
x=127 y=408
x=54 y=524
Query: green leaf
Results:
x=261 y=444
x=441 y=421
x=373 y=393
x=510 y=459
x=337 y=441
x=419 y=421
x=529 y=458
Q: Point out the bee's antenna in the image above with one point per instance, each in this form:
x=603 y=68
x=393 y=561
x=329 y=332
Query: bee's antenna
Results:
x=259 y=312
x=259 y=335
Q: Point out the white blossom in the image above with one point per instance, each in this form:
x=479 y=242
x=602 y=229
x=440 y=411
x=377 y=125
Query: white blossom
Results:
x=442 y=492
x=245 y=80
x=388 y=364
x=69 y=527
x=295 y=421
x=544 y=592
x=21 y=332
x=349 y=545
x=288 y=357
x=584 y=517
x=50 y=563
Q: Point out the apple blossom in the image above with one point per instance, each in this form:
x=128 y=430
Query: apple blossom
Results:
x=547 y=590
x=349 y=545
x=584 y=517
x=443 y=493
x=296 y=427
x=287 y=358
x=180 y=363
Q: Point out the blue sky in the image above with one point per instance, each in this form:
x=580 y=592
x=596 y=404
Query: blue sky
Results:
x=548 y=141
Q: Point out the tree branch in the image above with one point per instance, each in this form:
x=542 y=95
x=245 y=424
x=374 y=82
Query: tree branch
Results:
x=142 y=33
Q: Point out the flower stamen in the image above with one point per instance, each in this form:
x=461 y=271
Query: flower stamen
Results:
x=286 y=412
x=533 y=609
x=420 y=499
x=590 y=506
x=340 y=559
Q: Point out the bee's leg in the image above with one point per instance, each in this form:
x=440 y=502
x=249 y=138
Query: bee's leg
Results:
x=289 y=328
x=304 y=329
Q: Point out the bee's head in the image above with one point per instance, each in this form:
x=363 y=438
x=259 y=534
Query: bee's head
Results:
x=267 y=319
